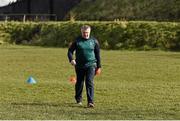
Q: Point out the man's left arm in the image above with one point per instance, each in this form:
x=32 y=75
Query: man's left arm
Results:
x=97 y=56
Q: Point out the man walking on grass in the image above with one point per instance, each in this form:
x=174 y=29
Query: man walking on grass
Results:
x=87 y=64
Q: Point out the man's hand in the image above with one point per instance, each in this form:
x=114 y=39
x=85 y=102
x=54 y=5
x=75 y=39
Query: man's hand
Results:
x=98 y=71
x=73 y=62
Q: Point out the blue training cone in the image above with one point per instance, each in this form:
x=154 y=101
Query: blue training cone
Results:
x=31 y=80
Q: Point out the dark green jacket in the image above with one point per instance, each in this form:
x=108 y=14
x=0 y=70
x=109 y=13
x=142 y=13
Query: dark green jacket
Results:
x=87 y=52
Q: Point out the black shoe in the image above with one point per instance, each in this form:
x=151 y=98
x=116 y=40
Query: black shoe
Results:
x=90 y=105
x=79 y=103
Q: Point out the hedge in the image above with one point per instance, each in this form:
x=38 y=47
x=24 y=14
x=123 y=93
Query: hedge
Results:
x=117 y=35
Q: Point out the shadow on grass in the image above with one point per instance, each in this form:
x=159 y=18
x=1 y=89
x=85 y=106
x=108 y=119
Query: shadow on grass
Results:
x=172 y=55
x=73 y=105
x=36 y=104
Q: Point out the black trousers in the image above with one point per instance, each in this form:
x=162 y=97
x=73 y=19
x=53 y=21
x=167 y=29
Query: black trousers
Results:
x=87 y=75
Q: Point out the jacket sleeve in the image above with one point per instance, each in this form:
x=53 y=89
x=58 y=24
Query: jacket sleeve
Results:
x=71 y=51
x=97 y=53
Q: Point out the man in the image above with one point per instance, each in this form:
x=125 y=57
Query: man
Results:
x=87 y=64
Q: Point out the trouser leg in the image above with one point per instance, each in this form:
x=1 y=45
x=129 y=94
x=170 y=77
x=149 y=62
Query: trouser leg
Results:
x=80 y=74
x=90 y=72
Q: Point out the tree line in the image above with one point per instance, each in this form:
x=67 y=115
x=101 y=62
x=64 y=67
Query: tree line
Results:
x=160 y=10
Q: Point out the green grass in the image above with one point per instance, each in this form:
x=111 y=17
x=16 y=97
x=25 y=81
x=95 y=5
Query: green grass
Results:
x=133 y=85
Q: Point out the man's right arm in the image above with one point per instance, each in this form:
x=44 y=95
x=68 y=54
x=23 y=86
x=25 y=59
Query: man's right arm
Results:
x=71 y=51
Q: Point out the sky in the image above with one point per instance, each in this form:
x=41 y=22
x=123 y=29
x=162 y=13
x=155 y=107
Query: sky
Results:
x=5 y=2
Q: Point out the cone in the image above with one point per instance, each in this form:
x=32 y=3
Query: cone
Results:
x=31 y=80
x=72 y=79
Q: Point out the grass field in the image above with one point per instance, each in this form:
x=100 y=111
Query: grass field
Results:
x=133 y=85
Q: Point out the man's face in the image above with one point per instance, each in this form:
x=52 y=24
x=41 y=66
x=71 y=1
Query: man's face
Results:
x=86 y=33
